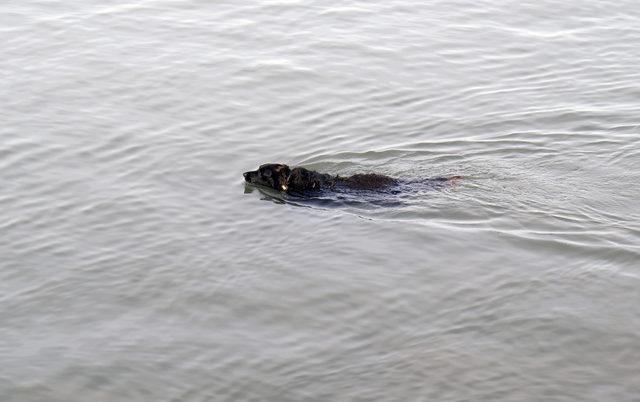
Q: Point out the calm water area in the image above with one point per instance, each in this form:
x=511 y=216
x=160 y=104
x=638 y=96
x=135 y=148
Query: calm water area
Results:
x=136 y=265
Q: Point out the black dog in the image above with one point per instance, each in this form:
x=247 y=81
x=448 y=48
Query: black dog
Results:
x=299 y=180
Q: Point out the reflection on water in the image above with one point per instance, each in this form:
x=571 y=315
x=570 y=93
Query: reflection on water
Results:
x=135 y=268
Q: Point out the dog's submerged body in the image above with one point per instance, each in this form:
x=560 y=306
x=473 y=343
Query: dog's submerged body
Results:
x=300 y=181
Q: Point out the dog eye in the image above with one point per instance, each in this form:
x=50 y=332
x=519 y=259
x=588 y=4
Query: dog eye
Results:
x=266 y=172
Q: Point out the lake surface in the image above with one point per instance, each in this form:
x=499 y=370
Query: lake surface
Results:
x=136 y=266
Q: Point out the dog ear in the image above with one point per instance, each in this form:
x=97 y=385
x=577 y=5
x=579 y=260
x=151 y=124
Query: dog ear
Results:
x=283 y=177
x=285 y=172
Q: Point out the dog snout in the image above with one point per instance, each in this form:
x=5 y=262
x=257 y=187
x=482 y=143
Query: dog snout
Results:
x=247 y=176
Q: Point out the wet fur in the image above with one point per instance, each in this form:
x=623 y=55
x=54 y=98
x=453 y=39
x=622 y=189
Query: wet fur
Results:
x=300 y=180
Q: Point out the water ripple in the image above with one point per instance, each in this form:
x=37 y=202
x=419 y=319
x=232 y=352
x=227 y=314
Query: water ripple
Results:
x=135 y=267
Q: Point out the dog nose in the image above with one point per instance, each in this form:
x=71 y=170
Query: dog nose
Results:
x=246 y=177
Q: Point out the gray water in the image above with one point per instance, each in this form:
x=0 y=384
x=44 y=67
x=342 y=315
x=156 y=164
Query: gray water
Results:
x=136 y=266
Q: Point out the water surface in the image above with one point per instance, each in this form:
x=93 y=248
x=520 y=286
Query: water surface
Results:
x=136 y=267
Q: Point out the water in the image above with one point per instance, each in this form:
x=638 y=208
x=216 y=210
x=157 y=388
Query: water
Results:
x=136 y=266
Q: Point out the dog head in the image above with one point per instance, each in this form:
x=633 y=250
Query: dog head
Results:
x=272 y=175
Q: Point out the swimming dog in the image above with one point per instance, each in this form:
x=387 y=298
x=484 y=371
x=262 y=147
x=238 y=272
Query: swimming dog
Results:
x=299 y=180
